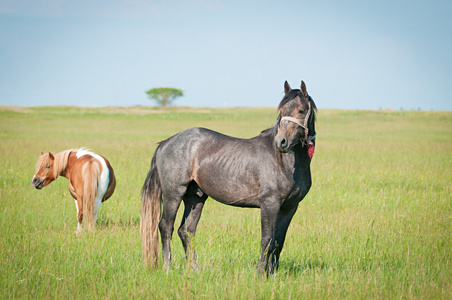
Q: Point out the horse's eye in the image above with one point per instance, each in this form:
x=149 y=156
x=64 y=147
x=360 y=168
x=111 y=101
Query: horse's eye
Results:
x=301 y=111
x=47 y=167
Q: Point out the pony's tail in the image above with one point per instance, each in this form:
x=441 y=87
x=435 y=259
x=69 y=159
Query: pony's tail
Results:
x=151 y=199
x=90 y=173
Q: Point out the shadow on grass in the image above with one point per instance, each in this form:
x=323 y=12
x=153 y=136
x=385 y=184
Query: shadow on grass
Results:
x=123 y=222
x=294 y=268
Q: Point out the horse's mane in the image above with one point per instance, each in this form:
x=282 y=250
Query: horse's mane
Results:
x=287 y=98
x=60 y=162
x=292 y=95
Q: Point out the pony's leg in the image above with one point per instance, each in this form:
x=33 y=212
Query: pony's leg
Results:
x=78 y=205
x=166 y=226
x=269 y=212
x=96 y=208
x=282 y=224
x=192 y=213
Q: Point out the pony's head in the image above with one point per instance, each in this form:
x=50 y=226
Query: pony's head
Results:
x=296 y=120
x=45 y=171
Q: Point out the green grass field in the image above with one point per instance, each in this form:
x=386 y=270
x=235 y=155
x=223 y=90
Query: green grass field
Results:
x=377 y=222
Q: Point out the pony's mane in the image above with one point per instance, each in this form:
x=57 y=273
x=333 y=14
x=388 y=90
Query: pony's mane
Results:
x=60 y=162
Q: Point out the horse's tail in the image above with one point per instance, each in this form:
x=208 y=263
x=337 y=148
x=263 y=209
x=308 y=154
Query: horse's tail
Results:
x=151 y=199
x=90 y=172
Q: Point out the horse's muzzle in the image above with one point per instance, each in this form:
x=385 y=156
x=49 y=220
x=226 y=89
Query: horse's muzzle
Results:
x=38 y=183
x=282 y=144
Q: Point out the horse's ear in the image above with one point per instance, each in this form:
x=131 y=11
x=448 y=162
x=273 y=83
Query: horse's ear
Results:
x=303 y=89
x=51 y=155
x=287 y=88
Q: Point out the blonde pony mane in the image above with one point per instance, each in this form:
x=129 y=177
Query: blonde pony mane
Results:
x=60 y=161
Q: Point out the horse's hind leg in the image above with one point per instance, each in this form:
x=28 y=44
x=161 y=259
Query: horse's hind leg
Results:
x=166 y=226
x=192 y=213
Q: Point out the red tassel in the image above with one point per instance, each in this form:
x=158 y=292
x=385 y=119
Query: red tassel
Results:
x=311 y=148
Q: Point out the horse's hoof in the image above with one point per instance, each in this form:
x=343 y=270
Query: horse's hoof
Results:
x=195 y=268
x=166 y=267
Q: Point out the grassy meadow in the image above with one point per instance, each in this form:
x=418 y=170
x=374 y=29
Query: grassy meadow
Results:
x=377 y=222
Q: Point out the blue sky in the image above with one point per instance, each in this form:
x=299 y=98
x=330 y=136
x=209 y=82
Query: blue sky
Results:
x=351 y=54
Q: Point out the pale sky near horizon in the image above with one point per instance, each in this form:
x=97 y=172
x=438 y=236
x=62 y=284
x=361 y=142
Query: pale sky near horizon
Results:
x=351 y=54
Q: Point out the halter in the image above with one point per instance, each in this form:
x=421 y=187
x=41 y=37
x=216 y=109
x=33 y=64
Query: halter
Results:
x=303 y=123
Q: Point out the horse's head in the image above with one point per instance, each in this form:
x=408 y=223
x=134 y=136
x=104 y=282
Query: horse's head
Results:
x=296 y=120
x=45 y=171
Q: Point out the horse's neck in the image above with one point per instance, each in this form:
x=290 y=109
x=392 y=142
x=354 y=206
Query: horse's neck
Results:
x=298 y=155
x=63 y=162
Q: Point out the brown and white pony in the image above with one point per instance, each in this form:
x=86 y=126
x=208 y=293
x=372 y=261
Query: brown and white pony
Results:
x=91 y=179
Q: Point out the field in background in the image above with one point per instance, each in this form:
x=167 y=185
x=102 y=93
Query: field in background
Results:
x=377 y=222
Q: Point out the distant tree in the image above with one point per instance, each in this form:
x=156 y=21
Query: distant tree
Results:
x=164 y=96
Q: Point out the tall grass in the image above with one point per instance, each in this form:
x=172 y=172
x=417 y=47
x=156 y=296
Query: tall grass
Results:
x=376 y=223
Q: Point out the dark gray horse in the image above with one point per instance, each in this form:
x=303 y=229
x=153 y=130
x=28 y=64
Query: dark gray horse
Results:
x=270 y=171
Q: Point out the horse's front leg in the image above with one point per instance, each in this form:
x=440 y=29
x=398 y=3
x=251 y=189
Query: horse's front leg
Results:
x=282 y=224
x=269 y=213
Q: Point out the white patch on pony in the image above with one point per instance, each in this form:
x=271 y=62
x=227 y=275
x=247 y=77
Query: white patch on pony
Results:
x=102 y=181
x=34 y=176
x=76 y=205
x=79 y=225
